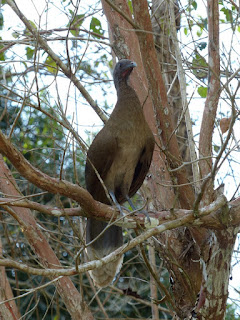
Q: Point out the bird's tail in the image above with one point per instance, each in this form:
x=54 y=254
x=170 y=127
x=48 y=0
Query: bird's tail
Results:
x=105 y=244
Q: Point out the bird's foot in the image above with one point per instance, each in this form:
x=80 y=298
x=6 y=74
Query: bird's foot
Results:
x=146 y=215
x=112 y=195
x=141 y=210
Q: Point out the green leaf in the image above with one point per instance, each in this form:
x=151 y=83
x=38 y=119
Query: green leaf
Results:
x=130 y=6
x=203 y=23
x=185 y=31
x=29 y=52
x=216 y=148
x=202 y=91
x=199 y=32
x=1 y=21
x=31 y=121
x=199 y=66
x=76 y=23
x=51 y=65
x=86 y=67
x=26 y=31
x=2 y=56
x=202 y=45
x=15 y=35
x=96 y=27
x=228 y=14
x=194 y=4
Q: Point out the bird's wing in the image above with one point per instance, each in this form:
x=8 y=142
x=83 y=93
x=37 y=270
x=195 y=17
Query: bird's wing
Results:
x=142 y=167
x=101 y=155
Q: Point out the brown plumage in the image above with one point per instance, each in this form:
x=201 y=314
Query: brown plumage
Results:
x=121 y=153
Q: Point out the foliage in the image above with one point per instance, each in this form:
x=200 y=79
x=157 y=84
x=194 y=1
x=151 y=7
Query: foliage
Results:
x=232 y=313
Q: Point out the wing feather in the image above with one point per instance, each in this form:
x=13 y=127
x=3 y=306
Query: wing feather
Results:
x=100 y=155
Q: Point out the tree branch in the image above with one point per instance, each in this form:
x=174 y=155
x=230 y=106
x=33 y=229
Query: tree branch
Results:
x=187 y=219
x=183 y=88
x=210 y=109
x=209 y=215
x=8 y=307
x=67 y=71
x=46 y=182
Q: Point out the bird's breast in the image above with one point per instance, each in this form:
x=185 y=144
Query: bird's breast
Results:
x=121 y=172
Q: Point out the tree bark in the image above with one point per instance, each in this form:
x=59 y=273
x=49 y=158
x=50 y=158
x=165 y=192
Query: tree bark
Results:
x=216 y=274
x=8 y=308
x=211 y=105
x=165 y=49
x=158 y=95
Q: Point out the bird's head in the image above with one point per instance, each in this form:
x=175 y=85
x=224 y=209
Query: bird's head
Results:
x=122 y=71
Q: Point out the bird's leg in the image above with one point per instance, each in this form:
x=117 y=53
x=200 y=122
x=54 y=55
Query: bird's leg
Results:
x=134 y=208
x=112 y=195
x=129 y=200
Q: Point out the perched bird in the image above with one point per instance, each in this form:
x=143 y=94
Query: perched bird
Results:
x=121 y=153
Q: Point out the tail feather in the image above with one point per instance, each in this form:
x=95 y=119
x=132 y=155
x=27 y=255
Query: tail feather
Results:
x=110 y=240
x=105 y=275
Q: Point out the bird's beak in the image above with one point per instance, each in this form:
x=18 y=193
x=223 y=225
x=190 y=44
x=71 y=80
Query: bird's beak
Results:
x=128 y=69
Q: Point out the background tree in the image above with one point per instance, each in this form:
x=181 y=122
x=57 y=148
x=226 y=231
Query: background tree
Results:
x=51 y=71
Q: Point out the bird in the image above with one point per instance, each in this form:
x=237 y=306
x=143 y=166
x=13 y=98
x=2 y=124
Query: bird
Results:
x=117 y=163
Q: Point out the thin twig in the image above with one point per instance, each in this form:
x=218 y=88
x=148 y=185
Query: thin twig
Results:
x=65 y=69
x=116 y=8
x=182 y=82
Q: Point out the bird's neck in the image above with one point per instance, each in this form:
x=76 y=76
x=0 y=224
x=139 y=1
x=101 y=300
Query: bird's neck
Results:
x=128 y=104
x=121 y=86
x=124 y=89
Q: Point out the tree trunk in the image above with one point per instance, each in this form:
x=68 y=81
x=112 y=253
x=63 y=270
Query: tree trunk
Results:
x=183 y=250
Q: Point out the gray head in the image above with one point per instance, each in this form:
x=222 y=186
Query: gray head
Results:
x=122 y=72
